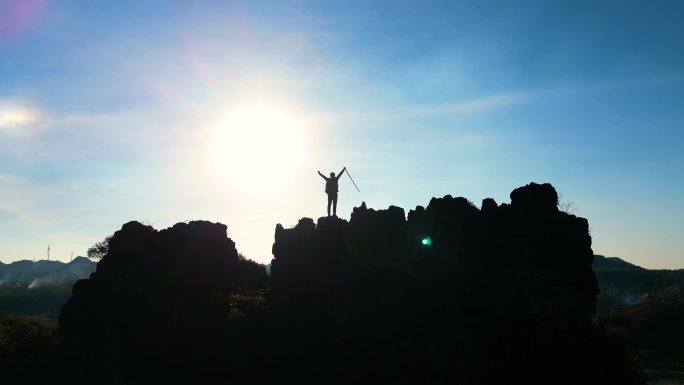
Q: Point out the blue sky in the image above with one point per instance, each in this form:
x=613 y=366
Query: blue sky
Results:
x=129 y=110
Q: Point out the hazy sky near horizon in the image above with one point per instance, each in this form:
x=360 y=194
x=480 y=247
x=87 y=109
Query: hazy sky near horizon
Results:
x=167 y=111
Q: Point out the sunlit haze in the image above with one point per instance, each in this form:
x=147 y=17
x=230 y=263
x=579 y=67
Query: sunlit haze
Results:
x=258 y=147
x=169 y=111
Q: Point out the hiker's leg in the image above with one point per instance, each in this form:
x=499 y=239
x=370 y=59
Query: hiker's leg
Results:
x=330 y=200
x=335 y=205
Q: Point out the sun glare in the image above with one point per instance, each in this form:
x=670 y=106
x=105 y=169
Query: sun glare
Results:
x=15 y=117
x=257 y=145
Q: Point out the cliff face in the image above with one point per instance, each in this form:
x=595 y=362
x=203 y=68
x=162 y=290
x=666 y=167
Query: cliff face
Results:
x=527 y=253
x=450 y=293
x=157 y=303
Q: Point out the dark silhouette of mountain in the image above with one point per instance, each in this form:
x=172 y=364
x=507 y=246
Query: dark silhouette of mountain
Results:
x=602 y=263
x=156 y=307
x=624 y=284
x=450 y=293
x=39 y=289
x=26 y=272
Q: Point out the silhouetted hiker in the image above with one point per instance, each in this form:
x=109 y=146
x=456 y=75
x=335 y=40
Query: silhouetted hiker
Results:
x=331 y=189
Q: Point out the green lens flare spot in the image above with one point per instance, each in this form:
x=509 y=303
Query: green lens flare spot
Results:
x=426 y=241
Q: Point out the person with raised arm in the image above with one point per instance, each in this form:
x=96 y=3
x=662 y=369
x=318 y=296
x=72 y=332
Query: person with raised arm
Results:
x=331 y=188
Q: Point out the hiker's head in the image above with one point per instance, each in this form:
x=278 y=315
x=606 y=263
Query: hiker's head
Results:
x=332 y=174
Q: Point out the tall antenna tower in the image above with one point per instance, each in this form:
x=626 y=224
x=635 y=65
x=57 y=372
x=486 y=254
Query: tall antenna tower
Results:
x=48 y=252
x=72 y=256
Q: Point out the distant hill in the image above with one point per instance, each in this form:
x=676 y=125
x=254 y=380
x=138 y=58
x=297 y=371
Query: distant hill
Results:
x=602 y=263
x=623 y=284
x=39 y=289
x=25 y=273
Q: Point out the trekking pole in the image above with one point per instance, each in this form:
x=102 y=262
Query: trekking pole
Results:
x=357 y=187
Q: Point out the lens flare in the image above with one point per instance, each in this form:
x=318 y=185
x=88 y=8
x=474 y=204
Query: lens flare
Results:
x=18 y=17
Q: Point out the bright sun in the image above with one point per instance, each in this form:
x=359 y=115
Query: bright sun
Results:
x=257 y=145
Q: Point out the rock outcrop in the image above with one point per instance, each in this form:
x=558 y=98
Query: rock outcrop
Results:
x=446 y=294
x=449 y=294
x=156 y=307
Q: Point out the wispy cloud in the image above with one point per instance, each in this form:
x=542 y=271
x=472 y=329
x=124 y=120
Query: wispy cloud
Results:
x=16 y=115
x=498 y=101
x=470 y=106
x=17 y=200
x=463 y=107
x=579 y=90
x=4 y=214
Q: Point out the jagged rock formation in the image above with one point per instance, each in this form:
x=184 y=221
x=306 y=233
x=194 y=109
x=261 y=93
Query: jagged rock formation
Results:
x=452 y=294
x=448 y=294
x=155 y=308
